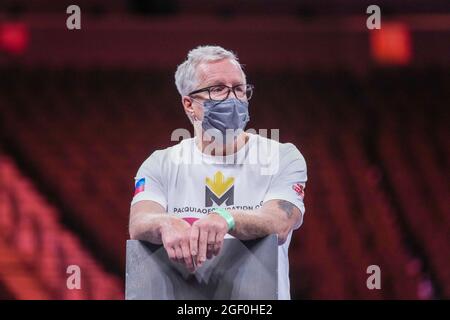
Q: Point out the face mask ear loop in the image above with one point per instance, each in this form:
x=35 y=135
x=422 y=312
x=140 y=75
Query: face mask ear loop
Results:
x=192 y=113
x=192 y=116
x=215 y=104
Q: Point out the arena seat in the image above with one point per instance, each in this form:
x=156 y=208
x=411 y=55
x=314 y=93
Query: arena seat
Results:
x=376 y=148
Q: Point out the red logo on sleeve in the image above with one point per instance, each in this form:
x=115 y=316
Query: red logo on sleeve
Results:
x=299 y=189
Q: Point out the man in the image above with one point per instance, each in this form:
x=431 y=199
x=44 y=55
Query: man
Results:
x=231 y=183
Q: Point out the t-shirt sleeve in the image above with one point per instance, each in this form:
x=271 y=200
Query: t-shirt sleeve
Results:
x=148 y=183
x=290 y=181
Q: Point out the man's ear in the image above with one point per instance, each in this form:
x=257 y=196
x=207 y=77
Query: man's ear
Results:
x=188 y=108
x=187 y=104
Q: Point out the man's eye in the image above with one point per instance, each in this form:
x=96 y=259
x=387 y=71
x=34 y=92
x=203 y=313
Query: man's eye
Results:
x=218 y=89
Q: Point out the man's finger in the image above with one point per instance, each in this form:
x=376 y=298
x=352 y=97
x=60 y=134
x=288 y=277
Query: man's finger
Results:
x=219 y=243
x=179 y=254
x=211 y=243
x=171 y=253
x=187 y=256
x=193 y=240
x=202 y=243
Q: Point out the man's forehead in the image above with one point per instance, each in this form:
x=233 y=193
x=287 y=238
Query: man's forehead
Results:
x=221 y=71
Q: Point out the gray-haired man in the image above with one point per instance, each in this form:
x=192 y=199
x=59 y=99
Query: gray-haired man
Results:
x=222 y=191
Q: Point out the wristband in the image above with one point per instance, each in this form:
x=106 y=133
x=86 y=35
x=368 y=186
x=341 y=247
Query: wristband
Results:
x=227 y=216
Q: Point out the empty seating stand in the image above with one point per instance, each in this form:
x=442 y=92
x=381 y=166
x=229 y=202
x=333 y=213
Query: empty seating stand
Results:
x=36 y=250
x=376 y=148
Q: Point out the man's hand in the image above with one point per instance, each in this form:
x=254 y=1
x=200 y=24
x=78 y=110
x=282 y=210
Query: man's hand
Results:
x=175 y=238
x=206 y=237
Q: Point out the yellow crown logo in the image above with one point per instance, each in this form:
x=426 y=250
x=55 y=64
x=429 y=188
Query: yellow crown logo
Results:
x=219 y=185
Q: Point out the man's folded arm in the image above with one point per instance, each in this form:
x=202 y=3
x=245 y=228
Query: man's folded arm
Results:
x=274 y=217
x=146 y=221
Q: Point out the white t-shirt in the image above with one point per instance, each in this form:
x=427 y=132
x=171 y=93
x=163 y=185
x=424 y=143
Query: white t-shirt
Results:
x=189 y=183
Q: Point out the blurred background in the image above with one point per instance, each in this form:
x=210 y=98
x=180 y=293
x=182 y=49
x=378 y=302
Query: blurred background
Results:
x=369 y=109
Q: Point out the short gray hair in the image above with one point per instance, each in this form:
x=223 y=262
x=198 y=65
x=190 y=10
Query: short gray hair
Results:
x=186 y=74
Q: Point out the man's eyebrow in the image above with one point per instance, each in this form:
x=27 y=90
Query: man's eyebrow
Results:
x=221 y=83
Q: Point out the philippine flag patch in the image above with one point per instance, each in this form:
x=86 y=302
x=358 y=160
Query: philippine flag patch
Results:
x=140 y=186
x=298 y=188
